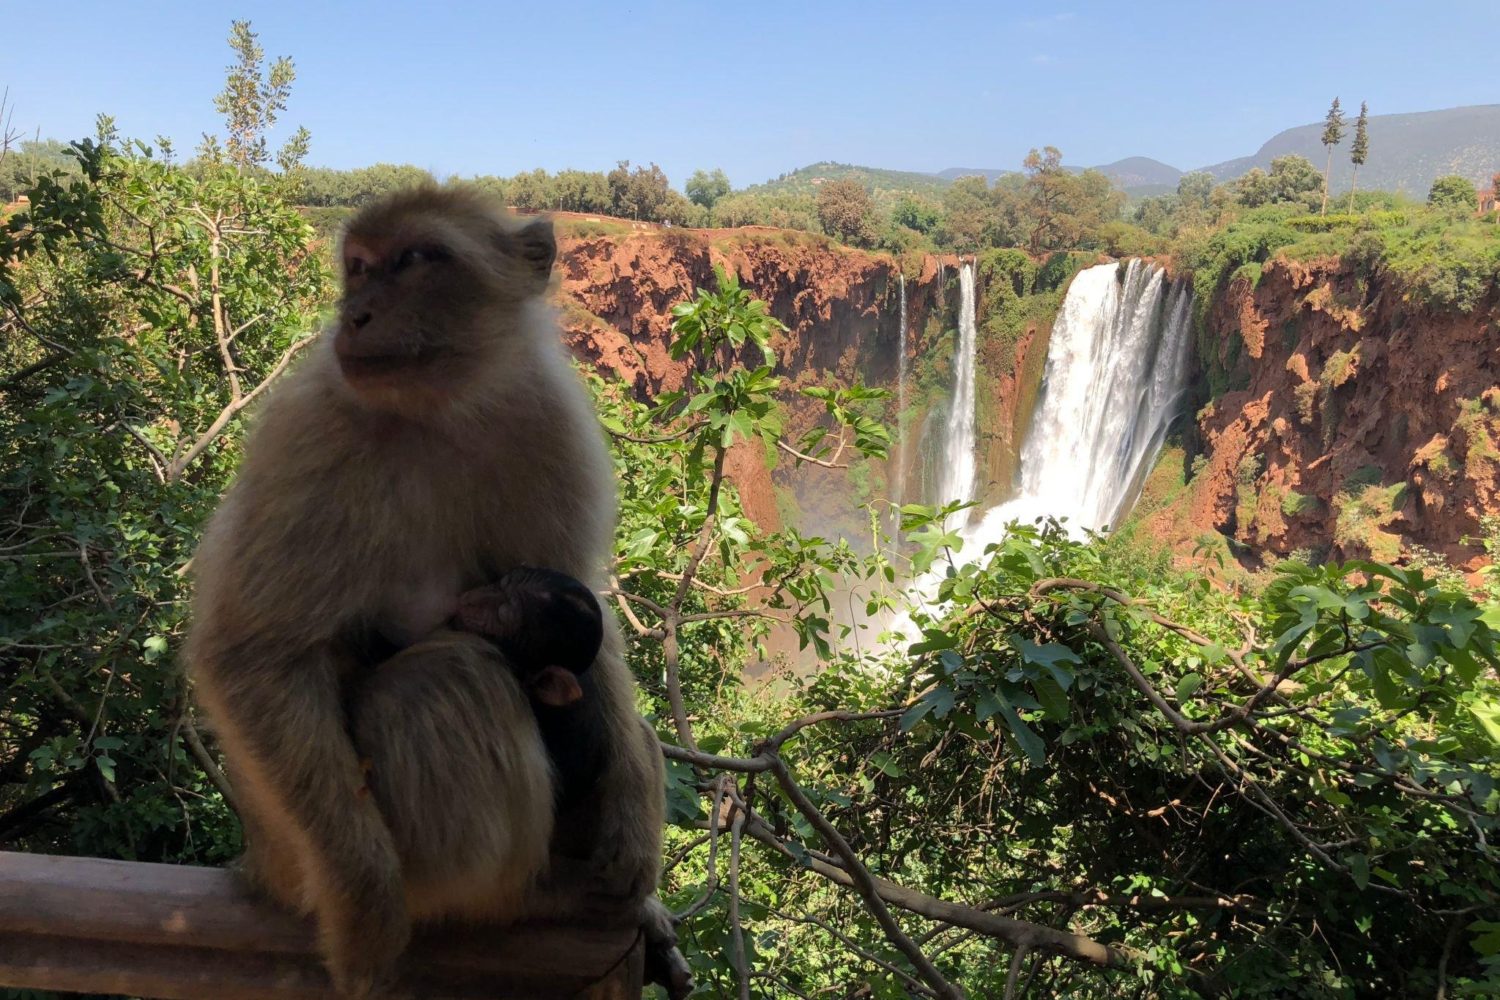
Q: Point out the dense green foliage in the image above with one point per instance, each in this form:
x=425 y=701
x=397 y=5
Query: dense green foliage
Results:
x=1453 y=193
x=143 y=308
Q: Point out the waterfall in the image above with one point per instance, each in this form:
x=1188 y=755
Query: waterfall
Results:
x=957 y=482
x=1113 y=384
x=901 y=389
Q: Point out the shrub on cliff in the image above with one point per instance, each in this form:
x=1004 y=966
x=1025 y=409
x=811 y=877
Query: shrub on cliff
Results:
x=846 y=212
x=1453 y=193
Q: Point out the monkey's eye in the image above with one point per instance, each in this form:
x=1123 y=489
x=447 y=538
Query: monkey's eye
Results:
x=419 y=255
x=354 y=266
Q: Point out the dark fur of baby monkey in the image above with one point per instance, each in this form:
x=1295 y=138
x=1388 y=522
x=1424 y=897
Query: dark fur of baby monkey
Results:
x=548 y=625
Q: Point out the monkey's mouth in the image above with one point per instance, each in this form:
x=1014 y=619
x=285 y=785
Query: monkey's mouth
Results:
x=372 y=366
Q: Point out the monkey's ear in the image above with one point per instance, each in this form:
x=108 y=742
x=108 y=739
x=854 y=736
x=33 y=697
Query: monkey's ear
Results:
x=534 y=247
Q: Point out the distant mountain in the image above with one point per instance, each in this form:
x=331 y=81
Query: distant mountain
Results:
x=1141 y=171
x=884 y=185
x=1131 y=172
x=1407 y=152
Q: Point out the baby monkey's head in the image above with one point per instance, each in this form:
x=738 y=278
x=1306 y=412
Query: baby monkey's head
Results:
x=436 y=283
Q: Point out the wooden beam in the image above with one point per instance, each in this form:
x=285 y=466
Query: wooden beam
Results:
x=184 y=933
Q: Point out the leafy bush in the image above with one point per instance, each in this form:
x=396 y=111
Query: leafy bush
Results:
x=1453 y=193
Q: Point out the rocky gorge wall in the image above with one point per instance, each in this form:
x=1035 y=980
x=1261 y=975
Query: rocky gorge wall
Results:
x=1358 y=423
x=841 y=307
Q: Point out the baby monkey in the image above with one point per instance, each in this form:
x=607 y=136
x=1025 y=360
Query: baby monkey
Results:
x=547 y=624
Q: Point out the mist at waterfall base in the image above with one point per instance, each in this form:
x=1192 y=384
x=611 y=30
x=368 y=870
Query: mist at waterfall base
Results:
x=1113 y=384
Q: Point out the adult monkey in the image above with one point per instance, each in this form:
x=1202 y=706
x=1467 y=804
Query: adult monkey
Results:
x=435 y=438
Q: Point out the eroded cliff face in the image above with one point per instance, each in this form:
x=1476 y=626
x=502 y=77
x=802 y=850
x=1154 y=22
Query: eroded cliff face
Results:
x=840 y=306
x=1360 y=424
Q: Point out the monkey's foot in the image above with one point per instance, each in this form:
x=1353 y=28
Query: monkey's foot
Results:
x=665 y=964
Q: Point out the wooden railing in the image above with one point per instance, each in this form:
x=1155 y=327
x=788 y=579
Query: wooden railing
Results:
x=146 y=930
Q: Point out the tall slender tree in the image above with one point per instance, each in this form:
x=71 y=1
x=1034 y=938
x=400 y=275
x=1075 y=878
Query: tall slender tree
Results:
x=250 y=102
x=1360 y=151
x=1333 y=134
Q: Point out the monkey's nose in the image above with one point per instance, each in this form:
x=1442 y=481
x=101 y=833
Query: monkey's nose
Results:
x=360 y=320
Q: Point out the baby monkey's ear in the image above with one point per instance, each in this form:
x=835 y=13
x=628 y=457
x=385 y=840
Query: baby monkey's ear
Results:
x=556 y=686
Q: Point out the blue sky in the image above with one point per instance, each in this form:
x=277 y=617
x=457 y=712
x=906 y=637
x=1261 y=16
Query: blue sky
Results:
x=757 y=89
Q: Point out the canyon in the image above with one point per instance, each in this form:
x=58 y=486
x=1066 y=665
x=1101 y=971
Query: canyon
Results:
x=1350 y=421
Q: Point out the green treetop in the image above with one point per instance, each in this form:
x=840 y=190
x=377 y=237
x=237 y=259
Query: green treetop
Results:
x=250 y=102
x=705 y=187
x=1360 y=151
x=1333 y=134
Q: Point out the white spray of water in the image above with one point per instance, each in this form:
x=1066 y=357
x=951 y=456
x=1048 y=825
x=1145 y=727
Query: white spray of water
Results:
x=1113 y=383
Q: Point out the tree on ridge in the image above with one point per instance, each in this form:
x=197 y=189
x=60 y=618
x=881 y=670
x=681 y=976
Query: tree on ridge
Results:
x=704 y=187
x=845 y=210
x=1333 y=134
x=1360 y=151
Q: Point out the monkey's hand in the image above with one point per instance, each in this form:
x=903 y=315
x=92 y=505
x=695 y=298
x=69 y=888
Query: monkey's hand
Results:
x=362 y=942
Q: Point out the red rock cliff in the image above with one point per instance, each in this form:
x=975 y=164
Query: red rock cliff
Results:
x=840 y=305
x=1363 y=424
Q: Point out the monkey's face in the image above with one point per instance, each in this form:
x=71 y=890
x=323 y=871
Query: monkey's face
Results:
x=432 y=290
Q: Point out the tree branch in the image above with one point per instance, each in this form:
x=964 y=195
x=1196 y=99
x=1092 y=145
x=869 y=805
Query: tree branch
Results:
x=862 y=882
x=181 y=462
x=206 y=761
x=801 y=457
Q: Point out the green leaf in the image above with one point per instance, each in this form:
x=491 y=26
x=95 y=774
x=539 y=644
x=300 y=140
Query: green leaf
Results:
x=915 y=714
x=1030 y=743
x=1189 y=684
x=1053 y=697
x=154 y=647
x=1487 y=714
x=1359 y=870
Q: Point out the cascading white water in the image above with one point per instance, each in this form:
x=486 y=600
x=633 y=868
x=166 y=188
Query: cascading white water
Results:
x=1113 y=383
x=957 y=481
x=901 y=466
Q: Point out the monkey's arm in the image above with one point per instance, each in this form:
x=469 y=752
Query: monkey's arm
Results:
x=281 y=721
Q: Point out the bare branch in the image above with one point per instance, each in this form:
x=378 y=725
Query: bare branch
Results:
x=158 y=460
x=1038 y=937
x=691 y=428
x=742 y=968
x=1014 y=975
x=36 y=367
x=711 y=879
x=206 y=761
x=801 y=457
x=181 y=462
x=775 y=742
